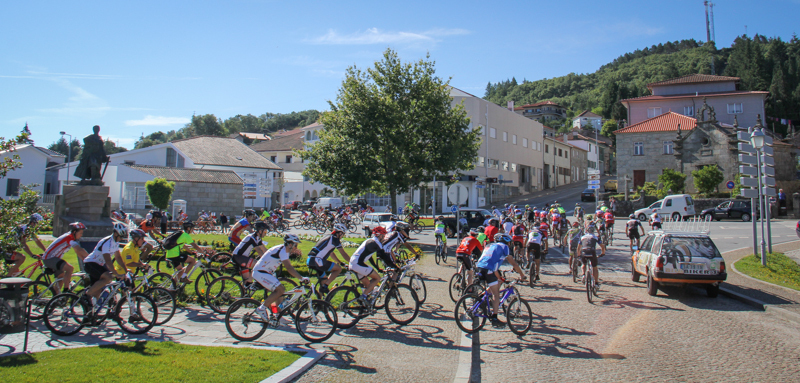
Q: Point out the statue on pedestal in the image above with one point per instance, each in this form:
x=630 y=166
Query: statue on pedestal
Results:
x=93 y=156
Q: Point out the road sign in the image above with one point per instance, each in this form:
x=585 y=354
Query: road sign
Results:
x=766 y=160
x=453 y=209
x=590 y=171
x=766 y=170
x=768 y=181
x=594 y=182
x=730 y=184
x=594 y=186
x=506 y=181
x=749 y=182
x=749 y=193
x=748 y=170
x=768 y=191
x=594 y=176
x=458 y=194
x=480 y=186
x=746 y=159
x=747 y=148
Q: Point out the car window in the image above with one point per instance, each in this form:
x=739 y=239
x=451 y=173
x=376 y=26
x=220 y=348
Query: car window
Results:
x=724 y=205
x=485 y=213
x=656 y=244
x=669 y=203
x=648 y=242
x=656 y=205
x=385 y=217
x=689 y=201
x=688 y=247
x=737 y=204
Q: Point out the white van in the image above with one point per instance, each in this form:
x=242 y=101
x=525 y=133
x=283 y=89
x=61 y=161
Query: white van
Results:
x=677 y=206
x=329 y=202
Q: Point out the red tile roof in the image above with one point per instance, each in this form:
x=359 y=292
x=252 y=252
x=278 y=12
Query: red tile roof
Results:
x=542 y=103
x=694 y=79
x=693 y=95
x=667 y=122
x=588 y=113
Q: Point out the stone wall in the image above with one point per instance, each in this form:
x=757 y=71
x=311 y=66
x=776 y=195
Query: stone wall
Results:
x=219 y=198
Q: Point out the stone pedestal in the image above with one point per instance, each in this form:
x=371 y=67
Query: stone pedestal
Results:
x=87 y=204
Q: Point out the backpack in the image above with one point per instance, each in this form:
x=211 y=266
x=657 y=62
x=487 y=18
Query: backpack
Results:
x=172 y=240
x=518 y=230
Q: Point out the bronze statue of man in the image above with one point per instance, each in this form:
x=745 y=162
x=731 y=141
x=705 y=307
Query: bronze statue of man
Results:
x=93 y=156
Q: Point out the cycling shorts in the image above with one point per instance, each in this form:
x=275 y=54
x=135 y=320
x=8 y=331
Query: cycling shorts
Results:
x=54 y=264
x=361 y=271
x=442 y=237
x=634 y=234
x=591 y=258
x=95 y=271
x=518 y=243
x=656 y=225
x=321 y=266
x=244 y=263
x=466 y=259
x=179 y=260
x=488 y=276
x=535 y=249
x=269 y=281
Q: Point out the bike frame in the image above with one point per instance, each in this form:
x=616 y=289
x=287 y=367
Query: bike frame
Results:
x=485 y=299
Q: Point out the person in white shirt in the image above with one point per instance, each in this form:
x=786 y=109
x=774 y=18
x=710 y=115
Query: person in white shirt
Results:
x=507 y=226
x=264 y=271
x=99 y=264
x=655 y=222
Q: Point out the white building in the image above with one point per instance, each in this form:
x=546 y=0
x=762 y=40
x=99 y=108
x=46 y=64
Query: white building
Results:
x=583 y=120
x=34 y=161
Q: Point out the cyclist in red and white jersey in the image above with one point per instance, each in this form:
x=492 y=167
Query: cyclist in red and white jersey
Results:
x=52 y=256
x=544 y=230
x=470 y=246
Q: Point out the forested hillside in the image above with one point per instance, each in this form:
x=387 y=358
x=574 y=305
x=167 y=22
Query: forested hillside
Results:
x=762 y=63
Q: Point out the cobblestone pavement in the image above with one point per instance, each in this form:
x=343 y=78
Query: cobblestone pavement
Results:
x=378 y=350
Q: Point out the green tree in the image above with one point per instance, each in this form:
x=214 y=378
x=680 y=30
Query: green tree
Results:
x=672 y=180
x=60 y=146
x=707 y=179
x=207 y=125
x=159 y=190
x=392 y=128
x=111 y=148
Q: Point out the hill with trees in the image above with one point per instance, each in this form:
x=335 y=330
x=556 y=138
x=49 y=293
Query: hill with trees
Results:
x=765 y=64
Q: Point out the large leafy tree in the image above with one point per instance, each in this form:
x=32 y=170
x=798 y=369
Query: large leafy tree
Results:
x=61 y=146
x=391 y=128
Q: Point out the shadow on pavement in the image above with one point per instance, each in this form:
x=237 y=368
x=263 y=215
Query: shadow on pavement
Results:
x=340 y=356
x=412 y=334
x=620 y=302
x=548 y=345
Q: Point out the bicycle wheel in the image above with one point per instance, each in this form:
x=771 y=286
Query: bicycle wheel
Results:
x=465 y=314
x=321 y=228
x=589 y=282
x=348 y=310
x=518 y=316
x=163 y=265
x=402 y=304
x=39 y=294
x=137 y=315
x=444 y=254
x=574 y=270
x=315 y=321
x=476 y=288
x=222 y=292
x=242 y=321
x=164 y=302
x=532 y=275
x=351 y=227
x=222 y=262
x=419 y=227
x=418 y=285
x=163 y=280
x=297 y=224
x=64 y=314
x=203 y=280
x=456 y=286
x=437 y=254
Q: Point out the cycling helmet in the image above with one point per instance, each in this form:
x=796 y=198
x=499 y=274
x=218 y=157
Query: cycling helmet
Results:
x=577 y=204
x=121 y=229
x=340 y=227
x=494 y=220
x=291 y=238
x=473 y=232
x=631 y=216
x=34 y=218
x=75 y=226
x=248 y=212
x=575 y=224
x=138 y=233
x=260 y=225
x=506 y=205
x=494 y=207
x=481 y=228
x=156 y=214
x=502 y=238
x=401 y=226
x=188 y=225
x=379 y=230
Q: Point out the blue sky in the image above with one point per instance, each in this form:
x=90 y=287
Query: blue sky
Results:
x=143 y=66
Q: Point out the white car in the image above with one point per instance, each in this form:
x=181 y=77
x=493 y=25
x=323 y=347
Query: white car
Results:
x=373 y=220
x=677 y=206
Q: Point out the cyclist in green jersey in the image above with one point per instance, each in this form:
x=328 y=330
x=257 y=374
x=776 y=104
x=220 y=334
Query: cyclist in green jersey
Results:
x=265 y=215
x=481 y=235
x=438 y=231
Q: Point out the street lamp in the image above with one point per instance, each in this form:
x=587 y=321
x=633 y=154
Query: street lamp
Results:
x=757 y=140
x=69 y=153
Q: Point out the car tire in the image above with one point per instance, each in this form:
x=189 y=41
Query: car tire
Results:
x=634 y=274
x=746 y=217
x=712 y=291
x=642 y=217
x=652 y=286
x=705 y=217
x=676 y=216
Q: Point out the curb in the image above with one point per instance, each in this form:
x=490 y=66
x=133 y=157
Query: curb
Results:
x=771 y=309
x=298 y=367
x=464 y=370
x=733 y=267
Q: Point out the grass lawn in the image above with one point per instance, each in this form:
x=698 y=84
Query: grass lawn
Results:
x=781 y=270
x=146 y=362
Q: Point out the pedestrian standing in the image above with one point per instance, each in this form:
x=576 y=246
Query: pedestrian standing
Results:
x=223 y=222
x=613 y=205
x=781 y=201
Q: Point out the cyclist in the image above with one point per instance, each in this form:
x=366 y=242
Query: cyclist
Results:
x=491 y=230
x=507 y=226
x=609 y=218
x=252 y=242
x=265 y=215
x=530 y=215
x=482 y=235
x=131 y=254
x=489 y=265
x=174 y=254
x=358 y=261
x=632 y=230
x=496 y=212
x=318 y=257
x=264 y=272
x=518 y=239
x=587 y=248
x=151 y=227
x=470 y=247
x=655 y=222
x=534 y=246
x=544 y=229
x=52 y=256
x=574 y=235
x=517 y=213
x=98 y=263
x=438 y=231
x=243 y=224
x=578 y=213
x=21 y=234
x=398 y=236
x=392 y=223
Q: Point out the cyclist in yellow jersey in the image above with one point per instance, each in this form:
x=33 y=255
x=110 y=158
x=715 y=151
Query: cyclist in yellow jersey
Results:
x=130 y=253
x=438 y=231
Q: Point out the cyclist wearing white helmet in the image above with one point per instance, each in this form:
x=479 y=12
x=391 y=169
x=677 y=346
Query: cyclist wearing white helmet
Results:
x=253 y=242
x=23 y=234
x=489 y=265
x=396 y=237
x=99 y=264
x=319 y=257
x=264 y=272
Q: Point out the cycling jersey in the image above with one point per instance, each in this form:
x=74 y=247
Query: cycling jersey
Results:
x=391 y=240
x=391 y=224
x=609 y=218
x=325 y=247
x=183 y=239
x=574 y=236
x=130 y=253
x=482 y=237
x=578 y=212
x=147 y=226
x=518 y=232
x=248 y=244
x=633 y=226
x=490 y=232
x=507 y=226
x=270 y=261
x=544 y=228
x=234 y=234
x=556 y=217
x=60 y=246
x=535 y=237
x=493 y=256
x=588 y=245
x=469 y=245
x=365 y=251
x=438 y=228
x=106 y=245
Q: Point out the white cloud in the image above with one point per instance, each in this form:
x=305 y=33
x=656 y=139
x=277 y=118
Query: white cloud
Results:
x=376 y=36
x=158 y=121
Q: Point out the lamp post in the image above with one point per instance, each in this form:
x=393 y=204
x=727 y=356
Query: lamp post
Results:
x=757 y=140
x=69 y=152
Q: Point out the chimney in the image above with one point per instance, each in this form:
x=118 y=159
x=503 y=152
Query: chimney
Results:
x=511 y=105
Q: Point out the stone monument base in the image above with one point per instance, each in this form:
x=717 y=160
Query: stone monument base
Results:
x=87 y=204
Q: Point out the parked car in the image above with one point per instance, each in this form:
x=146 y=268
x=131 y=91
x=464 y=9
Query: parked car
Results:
x=677 y=206
x=358 y=203
x=373 y=220
x=307 y=204
x=587 y=195
x=474 y=217
x=610 y=185
x=291 y=205
x=678 y=259
x=737 y=209
x=329 y=202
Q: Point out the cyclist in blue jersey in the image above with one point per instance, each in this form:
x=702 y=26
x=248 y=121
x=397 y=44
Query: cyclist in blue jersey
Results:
x=250 y=216
x=489 y=265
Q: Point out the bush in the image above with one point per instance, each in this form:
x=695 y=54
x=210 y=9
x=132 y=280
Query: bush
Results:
x=707 y=179
x=160 y=191
x=672 y=180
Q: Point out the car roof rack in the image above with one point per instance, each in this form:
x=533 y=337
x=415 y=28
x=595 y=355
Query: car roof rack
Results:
x=696 y=225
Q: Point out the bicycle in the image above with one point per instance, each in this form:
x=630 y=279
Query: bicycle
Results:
x=43 y=288
x=414 y=280
x=163 y=299
x=135 y=313
x=207 y=274
x=588 y=280
x=458 y=283
x=314 y=319
x=350 y=309
x=223 y=291
x=440 y=254
x=475 y=308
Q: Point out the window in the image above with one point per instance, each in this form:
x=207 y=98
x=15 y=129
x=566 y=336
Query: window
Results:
x=688 y=111
x=652 y=112
x=667 y=147
x=514 y=139
x=590 y=148
x=669 y=203
x=308 y=135
x=546 y=148
x=560 y=153
x=513 y=167
x=289 y=159
x=566 y=154
x=273 y=158
x=638 y=148
x=172 y=159
x=505 y=136
x=505 y=165
x=12 y=187
x=735 y=108
x=480 y=161
x=524 y=142
x=492 y=132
